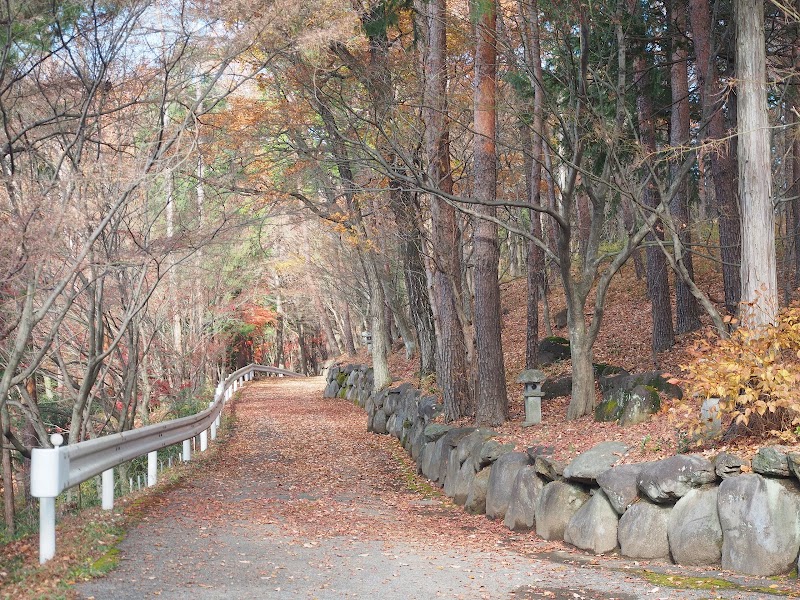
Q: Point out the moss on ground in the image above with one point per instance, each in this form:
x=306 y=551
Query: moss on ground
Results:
x=687 y=582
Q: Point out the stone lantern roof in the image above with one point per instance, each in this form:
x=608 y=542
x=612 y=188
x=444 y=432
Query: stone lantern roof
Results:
x=531 y=376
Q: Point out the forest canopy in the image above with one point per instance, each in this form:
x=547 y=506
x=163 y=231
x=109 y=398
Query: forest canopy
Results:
x=190 y=186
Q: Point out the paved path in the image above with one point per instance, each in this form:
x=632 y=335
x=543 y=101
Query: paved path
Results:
x=304 y=503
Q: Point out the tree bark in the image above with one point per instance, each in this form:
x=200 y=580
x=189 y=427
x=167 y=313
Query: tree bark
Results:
x=759 y=272
x=406 y=210
x=9 y=507
x=533 y=173
x=794 y=190
x=583 y=390
x=663 y=335
x=279 y=337
x=491 y=401
x=686 y=310
x=451 y=366
x=722 y=155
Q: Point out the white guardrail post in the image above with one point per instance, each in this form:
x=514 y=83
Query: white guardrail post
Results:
x=152 y=468
x=56 y=469
x=108 y=489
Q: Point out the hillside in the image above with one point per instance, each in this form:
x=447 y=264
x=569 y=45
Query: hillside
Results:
x=624 y=341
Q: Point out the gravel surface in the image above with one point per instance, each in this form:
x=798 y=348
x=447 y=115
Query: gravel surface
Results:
x=304 y=503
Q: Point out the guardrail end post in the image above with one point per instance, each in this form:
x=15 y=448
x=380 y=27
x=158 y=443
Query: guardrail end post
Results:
x=152 y=468
x=47 y=529
x=108 y=489
x=187 y=450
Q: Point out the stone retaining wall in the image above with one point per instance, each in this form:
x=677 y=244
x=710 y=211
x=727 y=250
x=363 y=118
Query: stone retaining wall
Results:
x=684 y=508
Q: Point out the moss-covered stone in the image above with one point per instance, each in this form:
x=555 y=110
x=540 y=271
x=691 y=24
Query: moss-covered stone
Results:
x=607 y=411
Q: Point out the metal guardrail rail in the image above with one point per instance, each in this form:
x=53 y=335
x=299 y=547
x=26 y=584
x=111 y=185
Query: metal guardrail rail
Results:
x=56 y=469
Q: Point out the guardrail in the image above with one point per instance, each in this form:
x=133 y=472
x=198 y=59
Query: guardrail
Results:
x=56 y=469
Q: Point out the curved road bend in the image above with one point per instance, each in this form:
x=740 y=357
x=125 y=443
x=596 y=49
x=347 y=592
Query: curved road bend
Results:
x=306 y=504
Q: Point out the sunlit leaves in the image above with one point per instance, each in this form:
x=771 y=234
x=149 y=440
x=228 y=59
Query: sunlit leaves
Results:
x=754 y=373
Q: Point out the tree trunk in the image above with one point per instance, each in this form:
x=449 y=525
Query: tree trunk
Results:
x=380 y=335
x=663 y=335
x=630 y=225
x=347 y=327
x=686 y=310
x=759 y=273
x=535 y=271
x=29 y=438
x=582 y=401
x=347 y=322
x=533 y=173
x=406 y=211
x=491 y=401
x=301 y=346
x=398 y=318
x=723 y=159
x=794 y=190
x=8 y=477
x=451 y=367
x=279 y=325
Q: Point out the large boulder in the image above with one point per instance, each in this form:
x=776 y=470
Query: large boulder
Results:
x=760 y=521
x=444 y=445
x=606 y=375
x=501 y=483
x=594 y=526
x=629 y=407
x=557 y=503
x=669 y=479
x=520 y=514
x=641 y=402
x=394 y=425
x=452 y=477
x=429 y=408
x=460 y=468
x=434 y=431
x=650 y=379
x=333 y=372
x=620 y=484
x=472 y=443
x=729 y=465
x=556 y=388
x=549 y=468
x=428 y=465
x=794 y=463
x=695 y=533
x=476 y=498
x=487 y=453
x=416 y=439
x=587 y=466
x=772 y=462
x=379 y=422
x=331 y=389
x=552 y=349
x=460 y=488
x=642 y=531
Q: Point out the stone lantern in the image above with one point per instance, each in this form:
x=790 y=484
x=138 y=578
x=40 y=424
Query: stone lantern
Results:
x=532 y=394
x=366 y=338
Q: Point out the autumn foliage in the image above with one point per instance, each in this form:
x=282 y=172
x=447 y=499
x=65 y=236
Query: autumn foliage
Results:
x=754 y=373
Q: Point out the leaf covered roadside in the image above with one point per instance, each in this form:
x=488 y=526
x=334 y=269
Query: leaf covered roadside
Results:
x=86 y=540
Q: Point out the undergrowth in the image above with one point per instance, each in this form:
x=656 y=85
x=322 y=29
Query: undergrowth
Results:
x=755 y=374
x=87 y=540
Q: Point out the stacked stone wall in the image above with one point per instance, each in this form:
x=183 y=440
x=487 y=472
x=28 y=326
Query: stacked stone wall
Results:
x=684 y=508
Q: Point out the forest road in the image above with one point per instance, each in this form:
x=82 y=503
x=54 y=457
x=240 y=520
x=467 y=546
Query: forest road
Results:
x=304 y=503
